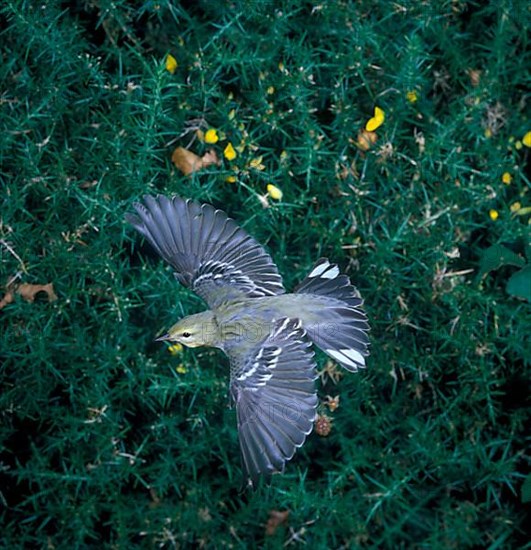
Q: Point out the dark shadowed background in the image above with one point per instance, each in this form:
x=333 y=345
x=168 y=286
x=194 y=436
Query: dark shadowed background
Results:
x=108 y=439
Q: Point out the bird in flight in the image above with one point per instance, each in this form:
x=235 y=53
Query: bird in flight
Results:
x=265 y=332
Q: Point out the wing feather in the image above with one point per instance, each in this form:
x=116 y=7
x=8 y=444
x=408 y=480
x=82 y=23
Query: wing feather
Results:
x=209 y=251
x=274 y=392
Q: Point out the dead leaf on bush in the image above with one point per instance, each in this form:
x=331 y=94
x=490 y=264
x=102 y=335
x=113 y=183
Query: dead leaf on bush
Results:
x=7 y=299
x=343 y=171
x=276 y=519
x=366 y=139
x=188 y=162
x=28 y=293
x=88 y=184
x=475 y=77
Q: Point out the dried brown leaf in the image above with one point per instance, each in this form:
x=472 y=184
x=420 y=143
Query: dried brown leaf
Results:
x=188 y=162
x=276 y=519
x=475 y=77
x=88 y=184
x=210 y=157
x=343 y=171
x=9 y=296
x=155 y=499
x=366 y=139
x=28 y=291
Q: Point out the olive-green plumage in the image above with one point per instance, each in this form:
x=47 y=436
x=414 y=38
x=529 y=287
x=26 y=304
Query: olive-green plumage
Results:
x=265 y=332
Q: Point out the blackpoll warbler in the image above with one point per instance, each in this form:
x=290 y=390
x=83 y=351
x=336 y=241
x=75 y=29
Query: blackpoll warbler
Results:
x=265 y=332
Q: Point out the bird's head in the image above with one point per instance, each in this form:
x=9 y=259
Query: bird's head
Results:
x=193 y=331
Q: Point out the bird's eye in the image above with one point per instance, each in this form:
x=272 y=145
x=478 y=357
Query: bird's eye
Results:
x=186 y=335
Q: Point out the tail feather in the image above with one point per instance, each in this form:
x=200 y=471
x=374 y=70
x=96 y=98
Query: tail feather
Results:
x=340 y=326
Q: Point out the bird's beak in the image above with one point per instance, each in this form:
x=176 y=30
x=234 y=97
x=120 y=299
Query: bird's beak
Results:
x=163 y=338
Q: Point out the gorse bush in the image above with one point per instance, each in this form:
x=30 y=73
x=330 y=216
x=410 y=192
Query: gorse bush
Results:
x=111 y=439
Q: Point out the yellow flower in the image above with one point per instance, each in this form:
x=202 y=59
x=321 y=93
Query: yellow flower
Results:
x=412 y=96
x=231 y=179
x=274 y=192
x=488 y=133
x=229 y=153
x=376 y=121
x=494 y=214
x=211 y=136
x=520 y=210
x=171 y=63
x=526 y=140
x=507 y=178
x=181 y=369
x=174 y=349
x=271 y=90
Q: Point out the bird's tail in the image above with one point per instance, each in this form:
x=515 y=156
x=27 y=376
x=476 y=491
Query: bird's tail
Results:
x=338 y=325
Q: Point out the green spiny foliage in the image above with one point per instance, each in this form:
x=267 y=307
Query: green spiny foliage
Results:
x=106 y=438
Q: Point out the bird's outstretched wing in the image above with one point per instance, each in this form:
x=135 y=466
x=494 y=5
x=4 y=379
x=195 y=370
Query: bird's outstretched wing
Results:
x=274 y=392
x=212 y=255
